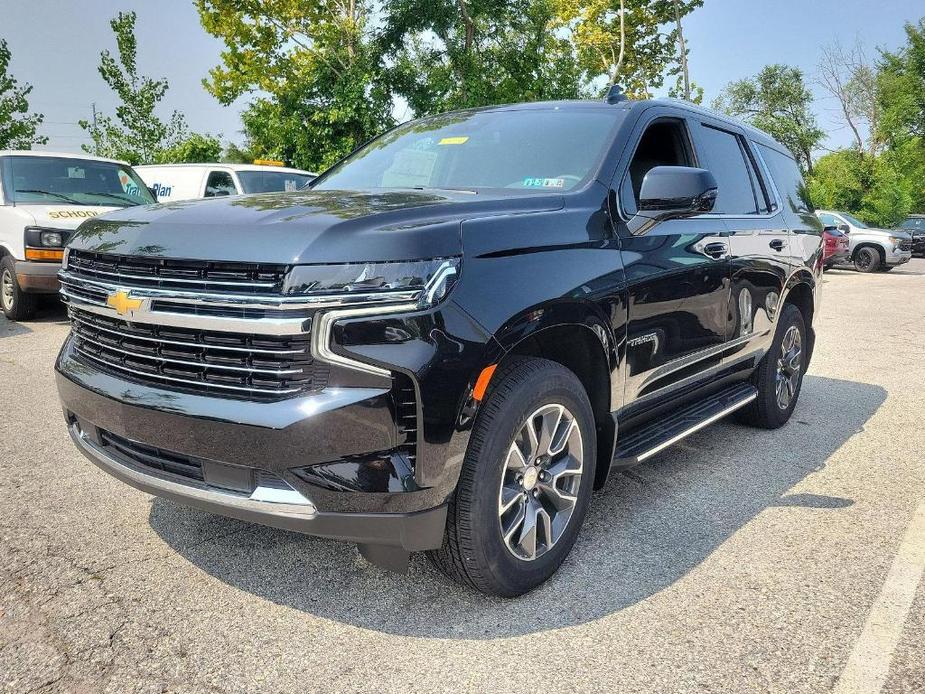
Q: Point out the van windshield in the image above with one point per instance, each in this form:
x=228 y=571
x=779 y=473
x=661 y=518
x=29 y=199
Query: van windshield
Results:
x=526 y=150
x=271 y=181
x=44 y=180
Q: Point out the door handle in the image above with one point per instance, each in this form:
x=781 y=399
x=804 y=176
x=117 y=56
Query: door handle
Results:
x=716 y=249
x=777 y=244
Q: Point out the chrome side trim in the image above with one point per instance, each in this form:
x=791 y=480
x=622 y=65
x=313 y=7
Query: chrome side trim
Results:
x=697 y=427
x=324 y=326
x=690 y=359
x=265 y=500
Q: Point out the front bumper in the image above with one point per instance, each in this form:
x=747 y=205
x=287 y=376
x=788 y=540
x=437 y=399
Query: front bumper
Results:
x=39 y=278
x=898 y=257
x=289 y=511
x=276 y=437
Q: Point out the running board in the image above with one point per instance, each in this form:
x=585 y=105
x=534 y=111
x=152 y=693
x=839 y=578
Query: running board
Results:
x=662 y=432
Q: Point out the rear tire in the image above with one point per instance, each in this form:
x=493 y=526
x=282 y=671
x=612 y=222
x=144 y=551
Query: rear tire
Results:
x=15 y=303
x=777 y=382
x=867 y=259
x=485 y=546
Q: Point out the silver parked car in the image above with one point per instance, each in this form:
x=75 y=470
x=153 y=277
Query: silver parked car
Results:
x=870 y=249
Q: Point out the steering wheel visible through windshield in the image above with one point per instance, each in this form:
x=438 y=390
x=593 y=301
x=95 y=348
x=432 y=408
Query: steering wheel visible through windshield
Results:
x=519 y=149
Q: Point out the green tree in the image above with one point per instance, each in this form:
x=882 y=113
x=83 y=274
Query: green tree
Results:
x=449 y=54
x=17 y=125
x=840 y=180
x=194 y=149
x=136 y=134
x=626 y=42
x=778 y=102
x=316 y=66
x=901 y=88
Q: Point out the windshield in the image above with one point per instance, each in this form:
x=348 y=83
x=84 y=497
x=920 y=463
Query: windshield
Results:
x=271 y=181
x=914 y=223
x=854 y=221
x=531 y=149
x=74 y=181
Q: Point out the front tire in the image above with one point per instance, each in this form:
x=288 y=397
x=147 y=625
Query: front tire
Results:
x=867 y=259
x=15 y=303
x=779 y=376
x=525 y=483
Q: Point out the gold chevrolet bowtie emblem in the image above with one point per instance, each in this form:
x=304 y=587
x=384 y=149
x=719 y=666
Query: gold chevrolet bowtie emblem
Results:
x=122 y=302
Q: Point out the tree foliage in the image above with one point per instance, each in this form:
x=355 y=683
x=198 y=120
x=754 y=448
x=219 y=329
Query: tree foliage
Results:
x=449 y=54
x=137 y=134
x=901 y=88
x=778 y=102
x=316 y=67
x=17 y=126
x=627 y=42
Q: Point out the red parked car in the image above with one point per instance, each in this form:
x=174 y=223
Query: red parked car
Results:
x=835 y=247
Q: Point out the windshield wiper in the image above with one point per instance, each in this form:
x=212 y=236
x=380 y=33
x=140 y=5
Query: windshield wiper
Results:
x=116 y=196
x=452 y=190
x=62 y=196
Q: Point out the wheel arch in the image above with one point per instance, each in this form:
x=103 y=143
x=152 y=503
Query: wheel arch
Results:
x=576 y=336
x=870 y=244
x=801 y=292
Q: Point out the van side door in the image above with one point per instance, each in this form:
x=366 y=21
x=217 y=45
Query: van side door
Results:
x=677 y=273
x=758 y=242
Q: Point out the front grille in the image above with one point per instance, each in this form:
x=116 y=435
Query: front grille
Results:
x=154 y=458
x=183 y=275
x=222 y=363
x=187 y=469
x=905 y=245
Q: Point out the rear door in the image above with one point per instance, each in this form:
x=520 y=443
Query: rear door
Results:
x=759 y=253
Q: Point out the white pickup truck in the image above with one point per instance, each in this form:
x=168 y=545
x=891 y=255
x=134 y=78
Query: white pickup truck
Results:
x=44 y=196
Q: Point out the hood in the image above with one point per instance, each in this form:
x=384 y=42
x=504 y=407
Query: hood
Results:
x=885 y=232
x=62 y=216
x=325 y=226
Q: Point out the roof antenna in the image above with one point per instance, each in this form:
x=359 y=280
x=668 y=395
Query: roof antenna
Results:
x=615 y=94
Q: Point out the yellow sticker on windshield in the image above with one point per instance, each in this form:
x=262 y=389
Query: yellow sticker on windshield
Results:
x=454 y=140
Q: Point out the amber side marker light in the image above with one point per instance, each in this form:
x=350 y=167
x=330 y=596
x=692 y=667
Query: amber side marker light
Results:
x=481 y=383
x=44 y=254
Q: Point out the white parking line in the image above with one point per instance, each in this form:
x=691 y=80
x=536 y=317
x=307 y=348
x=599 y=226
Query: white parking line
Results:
x=869 y=663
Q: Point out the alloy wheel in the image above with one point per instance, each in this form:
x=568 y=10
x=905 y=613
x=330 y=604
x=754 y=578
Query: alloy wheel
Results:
x=540 y=480
x=6 y=290
x=789 y=366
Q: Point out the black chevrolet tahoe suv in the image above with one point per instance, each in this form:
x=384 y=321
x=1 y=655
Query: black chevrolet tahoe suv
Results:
x=454 y=334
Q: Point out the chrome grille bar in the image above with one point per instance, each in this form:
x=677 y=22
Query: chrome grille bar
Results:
x=180 y=343
x=262 y=391
x=182 y=362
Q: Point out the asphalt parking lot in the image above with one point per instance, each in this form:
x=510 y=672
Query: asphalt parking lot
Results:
x=740 y=560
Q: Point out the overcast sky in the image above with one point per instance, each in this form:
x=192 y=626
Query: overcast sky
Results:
x=56 y=45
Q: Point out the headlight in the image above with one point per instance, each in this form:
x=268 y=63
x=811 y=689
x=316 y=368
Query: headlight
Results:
x=424 y=282
x=52 y=239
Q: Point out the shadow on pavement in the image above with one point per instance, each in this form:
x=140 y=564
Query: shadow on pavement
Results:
x=646 y=530
x=50 y=311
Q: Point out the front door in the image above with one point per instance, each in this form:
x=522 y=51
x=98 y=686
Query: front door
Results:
x=677 y=277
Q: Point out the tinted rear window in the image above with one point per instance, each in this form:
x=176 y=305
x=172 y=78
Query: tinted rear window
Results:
x=788 y=178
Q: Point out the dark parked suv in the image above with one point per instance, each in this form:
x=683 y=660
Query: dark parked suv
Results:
x=454 y=335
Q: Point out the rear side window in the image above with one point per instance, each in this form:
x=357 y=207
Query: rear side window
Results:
x=722 y=153
x=830 y=220
x=220 y=183
x=788 y=178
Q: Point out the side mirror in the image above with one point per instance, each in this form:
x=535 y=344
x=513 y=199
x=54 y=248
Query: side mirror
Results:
x=676 y=191
x=844 y=228
x=153 y=191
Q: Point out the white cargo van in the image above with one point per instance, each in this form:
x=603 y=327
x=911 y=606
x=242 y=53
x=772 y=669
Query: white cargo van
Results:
x=192 y=181
x=44 y=196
